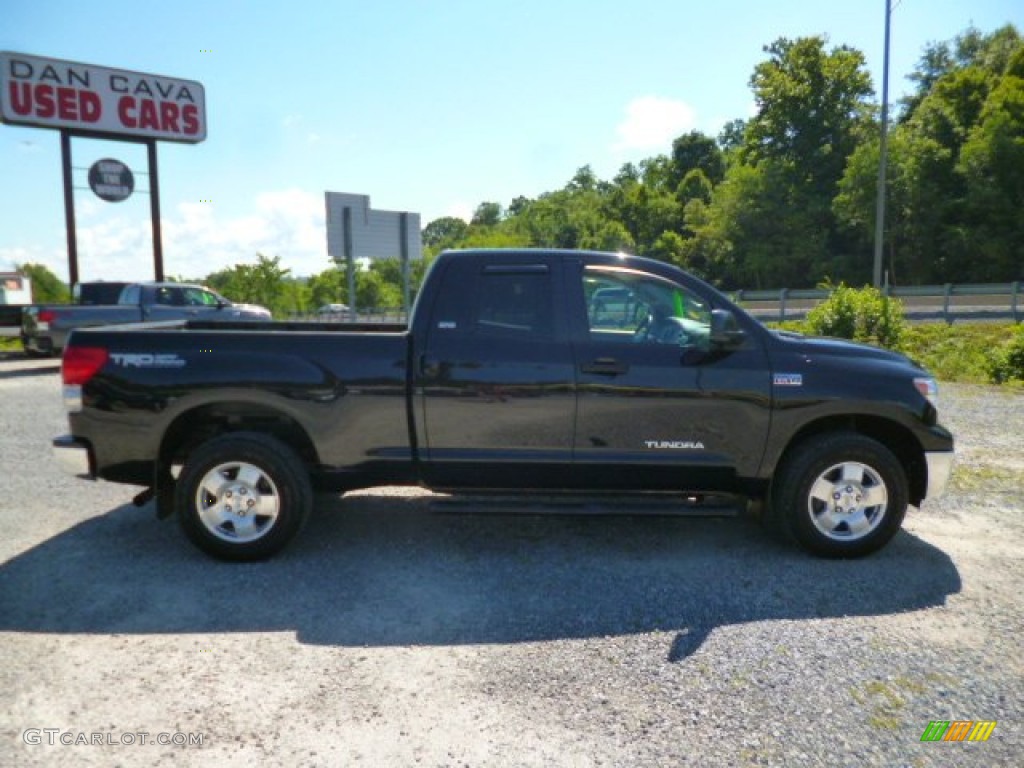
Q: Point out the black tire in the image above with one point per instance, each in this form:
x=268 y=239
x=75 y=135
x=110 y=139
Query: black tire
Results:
x=840 y=495
x=243 y=496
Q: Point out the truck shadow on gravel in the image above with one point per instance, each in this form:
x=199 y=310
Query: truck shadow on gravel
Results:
x=39 y=368
x=382 y=571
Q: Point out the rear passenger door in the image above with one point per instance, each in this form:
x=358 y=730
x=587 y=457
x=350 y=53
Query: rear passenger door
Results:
x=496 y=376
x=168 y=303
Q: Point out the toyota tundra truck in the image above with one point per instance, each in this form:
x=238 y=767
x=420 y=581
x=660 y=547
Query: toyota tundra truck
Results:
x=519 y=371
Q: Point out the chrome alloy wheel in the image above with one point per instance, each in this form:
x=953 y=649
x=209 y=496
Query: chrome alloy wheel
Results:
x=848 y=501
x=237 y=502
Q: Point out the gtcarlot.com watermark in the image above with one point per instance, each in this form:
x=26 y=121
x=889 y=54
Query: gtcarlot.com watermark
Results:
x=60 y=736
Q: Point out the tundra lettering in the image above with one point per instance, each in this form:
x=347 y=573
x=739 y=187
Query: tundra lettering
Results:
x=687 y=445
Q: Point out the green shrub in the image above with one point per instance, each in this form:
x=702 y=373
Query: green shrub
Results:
x=1007 y=362
x=862 y=315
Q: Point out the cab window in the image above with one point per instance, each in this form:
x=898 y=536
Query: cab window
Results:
x=634 y=307
x=196 y=297
x=515 y=303
x=130 y=295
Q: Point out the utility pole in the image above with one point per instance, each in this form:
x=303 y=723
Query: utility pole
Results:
x=882 y=151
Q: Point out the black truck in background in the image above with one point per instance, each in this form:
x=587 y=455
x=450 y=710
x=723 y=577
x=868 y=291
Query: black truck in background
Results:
x=45 y=327
x=520 y=370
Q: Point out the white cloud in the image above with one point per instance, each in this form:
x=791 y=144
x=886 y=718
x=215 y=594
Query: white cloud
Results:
x=286 y=223
x=55 y=260
x=652 y=122
x=460 y=210
x=197 y=240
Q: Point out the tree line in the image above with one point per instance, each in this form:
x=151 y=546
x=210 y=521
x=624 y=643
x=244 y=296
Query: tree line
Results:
x=785 y=198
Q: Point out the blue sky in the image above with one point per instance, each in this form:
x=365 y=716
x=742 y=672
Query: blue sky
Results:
x=430 y=106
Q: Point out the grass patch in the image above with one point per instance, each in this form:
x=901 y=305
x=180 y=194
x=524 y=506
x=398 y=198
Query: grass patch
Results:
x=964 y=353
x=885 y=701
x=988 y=477
x=956 y=352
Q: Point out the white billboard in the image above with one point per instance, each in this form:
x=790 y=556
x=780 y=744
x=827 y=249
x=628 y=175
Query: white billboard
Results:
x=52 y=93
x=373 y=234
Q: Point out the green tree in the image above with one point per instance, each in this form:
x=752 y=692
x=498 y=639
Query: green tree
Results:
x=731 y=137
x=992 y=165
x=47 y=288
x=970 y=48
x=487 y=215
x=770 y=221
x=954 y=175
x=374 y=293
x=390 y=272
x=918 y=206
x=260 y=283
x=695 y=151
x=327 y=287
x=444 y=233
x=812 y=110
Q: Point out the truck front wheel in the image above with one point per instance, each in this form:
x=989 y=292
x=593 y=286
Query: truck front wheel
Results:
x=243 y=496
x=841 y=495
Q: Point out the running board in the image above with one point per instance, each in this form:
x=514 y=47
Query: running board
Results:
x=674 y=506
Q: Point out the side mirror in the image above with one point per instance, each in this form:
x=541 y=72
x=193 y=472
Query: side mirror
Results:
x=726 y=333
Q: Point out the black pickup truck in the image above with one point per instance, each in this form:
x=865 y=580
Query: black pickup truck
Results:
x=521 y=370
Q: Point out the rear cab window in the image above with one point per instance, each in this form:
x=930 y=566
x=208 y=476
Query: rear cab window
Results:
x=507 y=301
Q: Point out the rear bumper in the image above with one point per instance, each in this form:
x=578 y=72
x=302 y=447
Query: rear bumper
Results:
x=940 y=467
x=74 y=456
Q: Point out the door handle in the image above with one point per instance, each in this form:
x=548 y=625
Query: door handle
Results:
x=605 y=366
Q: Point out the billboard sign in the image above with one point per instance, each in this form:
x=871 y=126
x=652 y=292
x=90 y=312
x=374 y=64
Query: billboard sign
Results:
x=370 y=234
x=52 y=93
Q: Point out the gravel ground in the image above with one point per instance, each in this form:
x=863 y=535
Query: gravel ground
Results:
x=390 y=634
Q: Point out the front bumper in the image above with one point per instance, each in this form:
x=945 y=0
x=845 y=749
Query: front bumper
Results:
x=74 y=456
x=940 y=467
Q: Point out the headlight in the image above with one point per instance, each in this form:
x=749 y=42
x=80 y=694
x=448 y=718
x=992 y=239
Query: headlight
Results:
x=929 y=388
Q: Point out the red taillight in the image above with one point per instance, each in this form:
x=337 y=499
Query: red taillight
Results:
x=82 y=363
x=46 y=316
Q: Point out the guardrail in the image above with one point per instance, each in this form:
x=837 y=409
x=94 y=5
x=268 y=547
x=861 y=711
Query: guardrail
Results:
x=383 y=316
x=949 y=302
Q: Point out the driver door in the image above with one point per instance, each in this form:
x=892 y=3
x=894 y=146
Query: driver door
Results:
x=656 y=407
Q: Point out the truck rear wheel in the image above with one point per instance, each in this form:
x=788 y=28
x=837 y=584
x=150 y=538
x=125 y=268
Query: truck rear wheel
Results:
x=841 y=495
x=243 y=496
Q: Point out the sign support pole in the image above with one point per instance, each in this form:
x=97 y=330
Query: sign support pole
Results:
x=403 y=234
x=69 y=207
x=350 y=263
x=154 y=211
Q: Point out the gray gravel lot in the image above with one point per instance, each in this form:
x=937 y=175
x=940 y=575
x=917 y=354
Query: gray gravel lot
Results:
x=389 y=634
